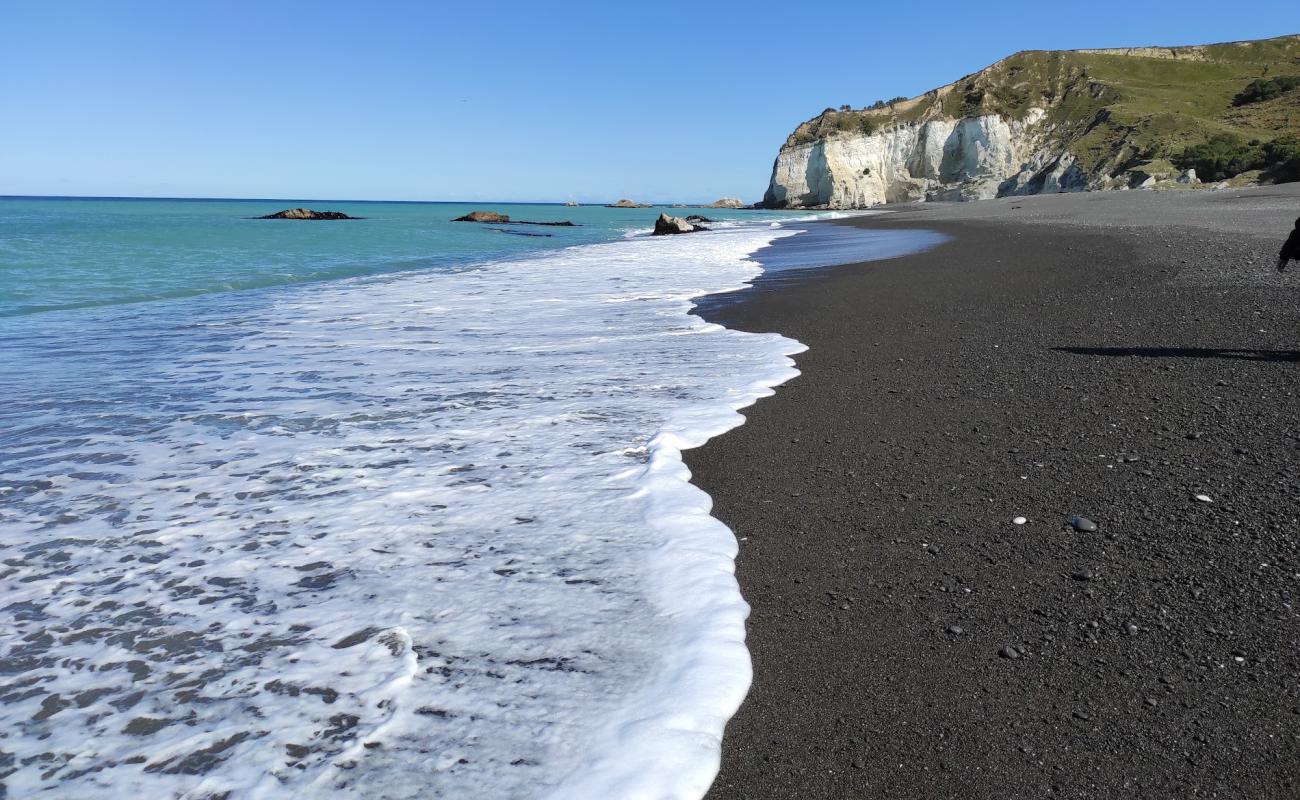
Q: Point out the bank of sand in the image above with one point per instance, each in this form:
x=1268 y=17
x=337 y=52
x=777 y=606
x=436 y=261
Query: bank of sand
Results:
x=1105 y=355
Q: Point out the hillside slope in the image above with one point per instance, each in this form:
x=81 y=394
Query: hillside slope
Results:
x=1050 y=121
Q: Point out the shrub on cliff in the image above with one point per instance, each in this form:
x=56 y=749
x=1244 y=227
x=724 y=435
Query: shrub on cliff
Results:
x=1261 y=89
x=1284 y=154
x=1222 y=156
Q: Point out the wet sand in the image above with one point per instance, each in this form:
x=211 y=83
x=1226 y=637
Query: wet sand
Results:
x=1105 y=355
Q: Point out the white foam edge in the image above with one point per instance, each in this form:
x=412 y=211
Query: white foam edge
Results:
x=669 y=743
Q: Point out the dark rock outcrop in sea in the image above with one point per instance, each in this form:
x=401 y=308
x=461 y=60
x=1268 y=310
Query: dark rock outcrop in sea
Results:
x=697 y=218
x=483 y=216
x=625 y=203
x=494 y=218
x=667 y=225
x=306 y=213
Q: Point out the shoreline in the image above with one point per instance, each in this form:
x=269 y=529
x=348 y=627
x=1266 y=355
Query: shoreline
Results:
x=1122 y=353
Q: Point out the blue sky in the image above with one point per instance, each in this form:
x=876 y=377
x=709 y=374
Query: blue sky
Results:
x=500 y=100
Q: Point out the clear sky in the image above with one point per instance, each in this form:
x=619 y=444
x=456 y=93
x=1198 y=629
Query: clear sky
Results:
x=496 y=100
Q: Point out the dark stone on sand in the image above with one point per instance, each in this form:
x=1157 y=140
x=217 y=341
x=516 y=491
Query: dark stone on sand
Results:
x=667 y=225
x=1009 y=652
x=306 y=213
x=1083 y=525
x=1084 y=574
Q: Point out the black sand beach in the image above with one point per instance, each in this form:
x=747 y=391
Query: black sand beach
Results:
x=1104 y=355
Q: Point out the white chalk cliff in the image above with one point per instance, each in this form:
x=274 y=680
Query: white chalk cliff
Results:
x=939 y=159
x=1039 y=121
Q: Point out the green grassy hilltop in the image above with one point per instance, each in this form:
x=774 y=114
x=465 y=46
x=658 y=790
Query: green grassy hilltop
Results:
x=1223 y=109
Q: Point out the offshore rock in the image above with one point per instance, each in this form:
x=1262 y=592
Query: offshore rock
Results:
x=625 y=203
x=306 y=213
x=727 y=202
x=483 y=216
x=667 y=225
x=494 y=218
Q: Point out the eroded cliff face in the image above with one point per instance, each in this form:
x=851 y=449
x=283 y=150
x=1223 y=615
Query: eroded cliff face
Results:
x=1040 y=121
x=940 y=159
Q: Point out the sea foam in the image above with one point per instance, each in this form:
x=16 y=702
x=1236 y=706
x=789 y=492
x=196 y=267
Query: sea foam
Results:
x=422 y=535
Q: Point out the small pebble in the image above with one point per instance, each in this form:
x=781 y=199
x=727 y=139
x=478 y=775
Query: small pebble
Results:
x=1083 y=524
x=1205 y=498
x=1019 y=520
x=1009 y=652
x=956 y=630
x=1084 y=574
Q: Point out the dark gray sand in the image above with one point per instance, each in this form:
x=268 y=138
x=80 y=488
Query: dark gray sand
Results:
x=1110 y=356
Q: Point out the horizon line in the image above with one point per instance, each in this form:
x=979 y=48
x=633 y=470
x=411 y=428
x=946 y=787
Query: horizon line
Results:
x=320 y=200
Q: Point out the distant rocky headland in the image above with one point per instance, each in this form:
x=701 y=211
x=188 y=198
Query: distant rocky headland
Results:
x=725 y=202
x=306 y=213
x=1059 y=121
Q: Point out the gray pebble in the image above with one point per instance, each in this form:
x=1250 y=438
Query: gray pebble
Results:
x=1009 y=652
x=956 y=630
x=1083 y=524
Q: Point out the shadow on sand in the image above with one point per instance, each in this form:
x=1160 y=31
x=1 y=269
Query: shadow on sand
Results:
x=1185 y=352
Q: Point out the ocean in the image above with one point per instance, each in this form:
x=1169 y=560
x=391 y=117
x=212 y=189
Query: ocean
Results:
x=380 y=508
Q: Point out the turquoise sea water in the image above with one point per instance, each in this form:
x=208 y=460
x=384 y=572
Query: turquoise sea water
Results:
x=387 y=508
x=382 y=508
x=74 y=253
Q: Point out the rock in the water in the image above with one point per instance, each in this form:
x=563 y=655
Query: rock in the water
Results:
x=483 y=216
x=697 y=218
x=572 y=204
x=625 y=203
x=726 y=202
x=667 y=225
x=493 y=217
x=307 y=213
x=1083 y=524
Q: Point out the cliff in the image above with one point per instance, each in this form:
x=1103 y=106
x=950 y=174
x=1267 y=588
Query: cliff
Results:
x=1048 y=121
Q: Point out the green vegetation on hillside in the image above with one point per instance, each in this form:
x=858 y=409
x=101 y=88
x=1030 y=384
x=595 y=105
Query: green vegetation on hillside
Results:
x=1115 y=109
x=1262 y=89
